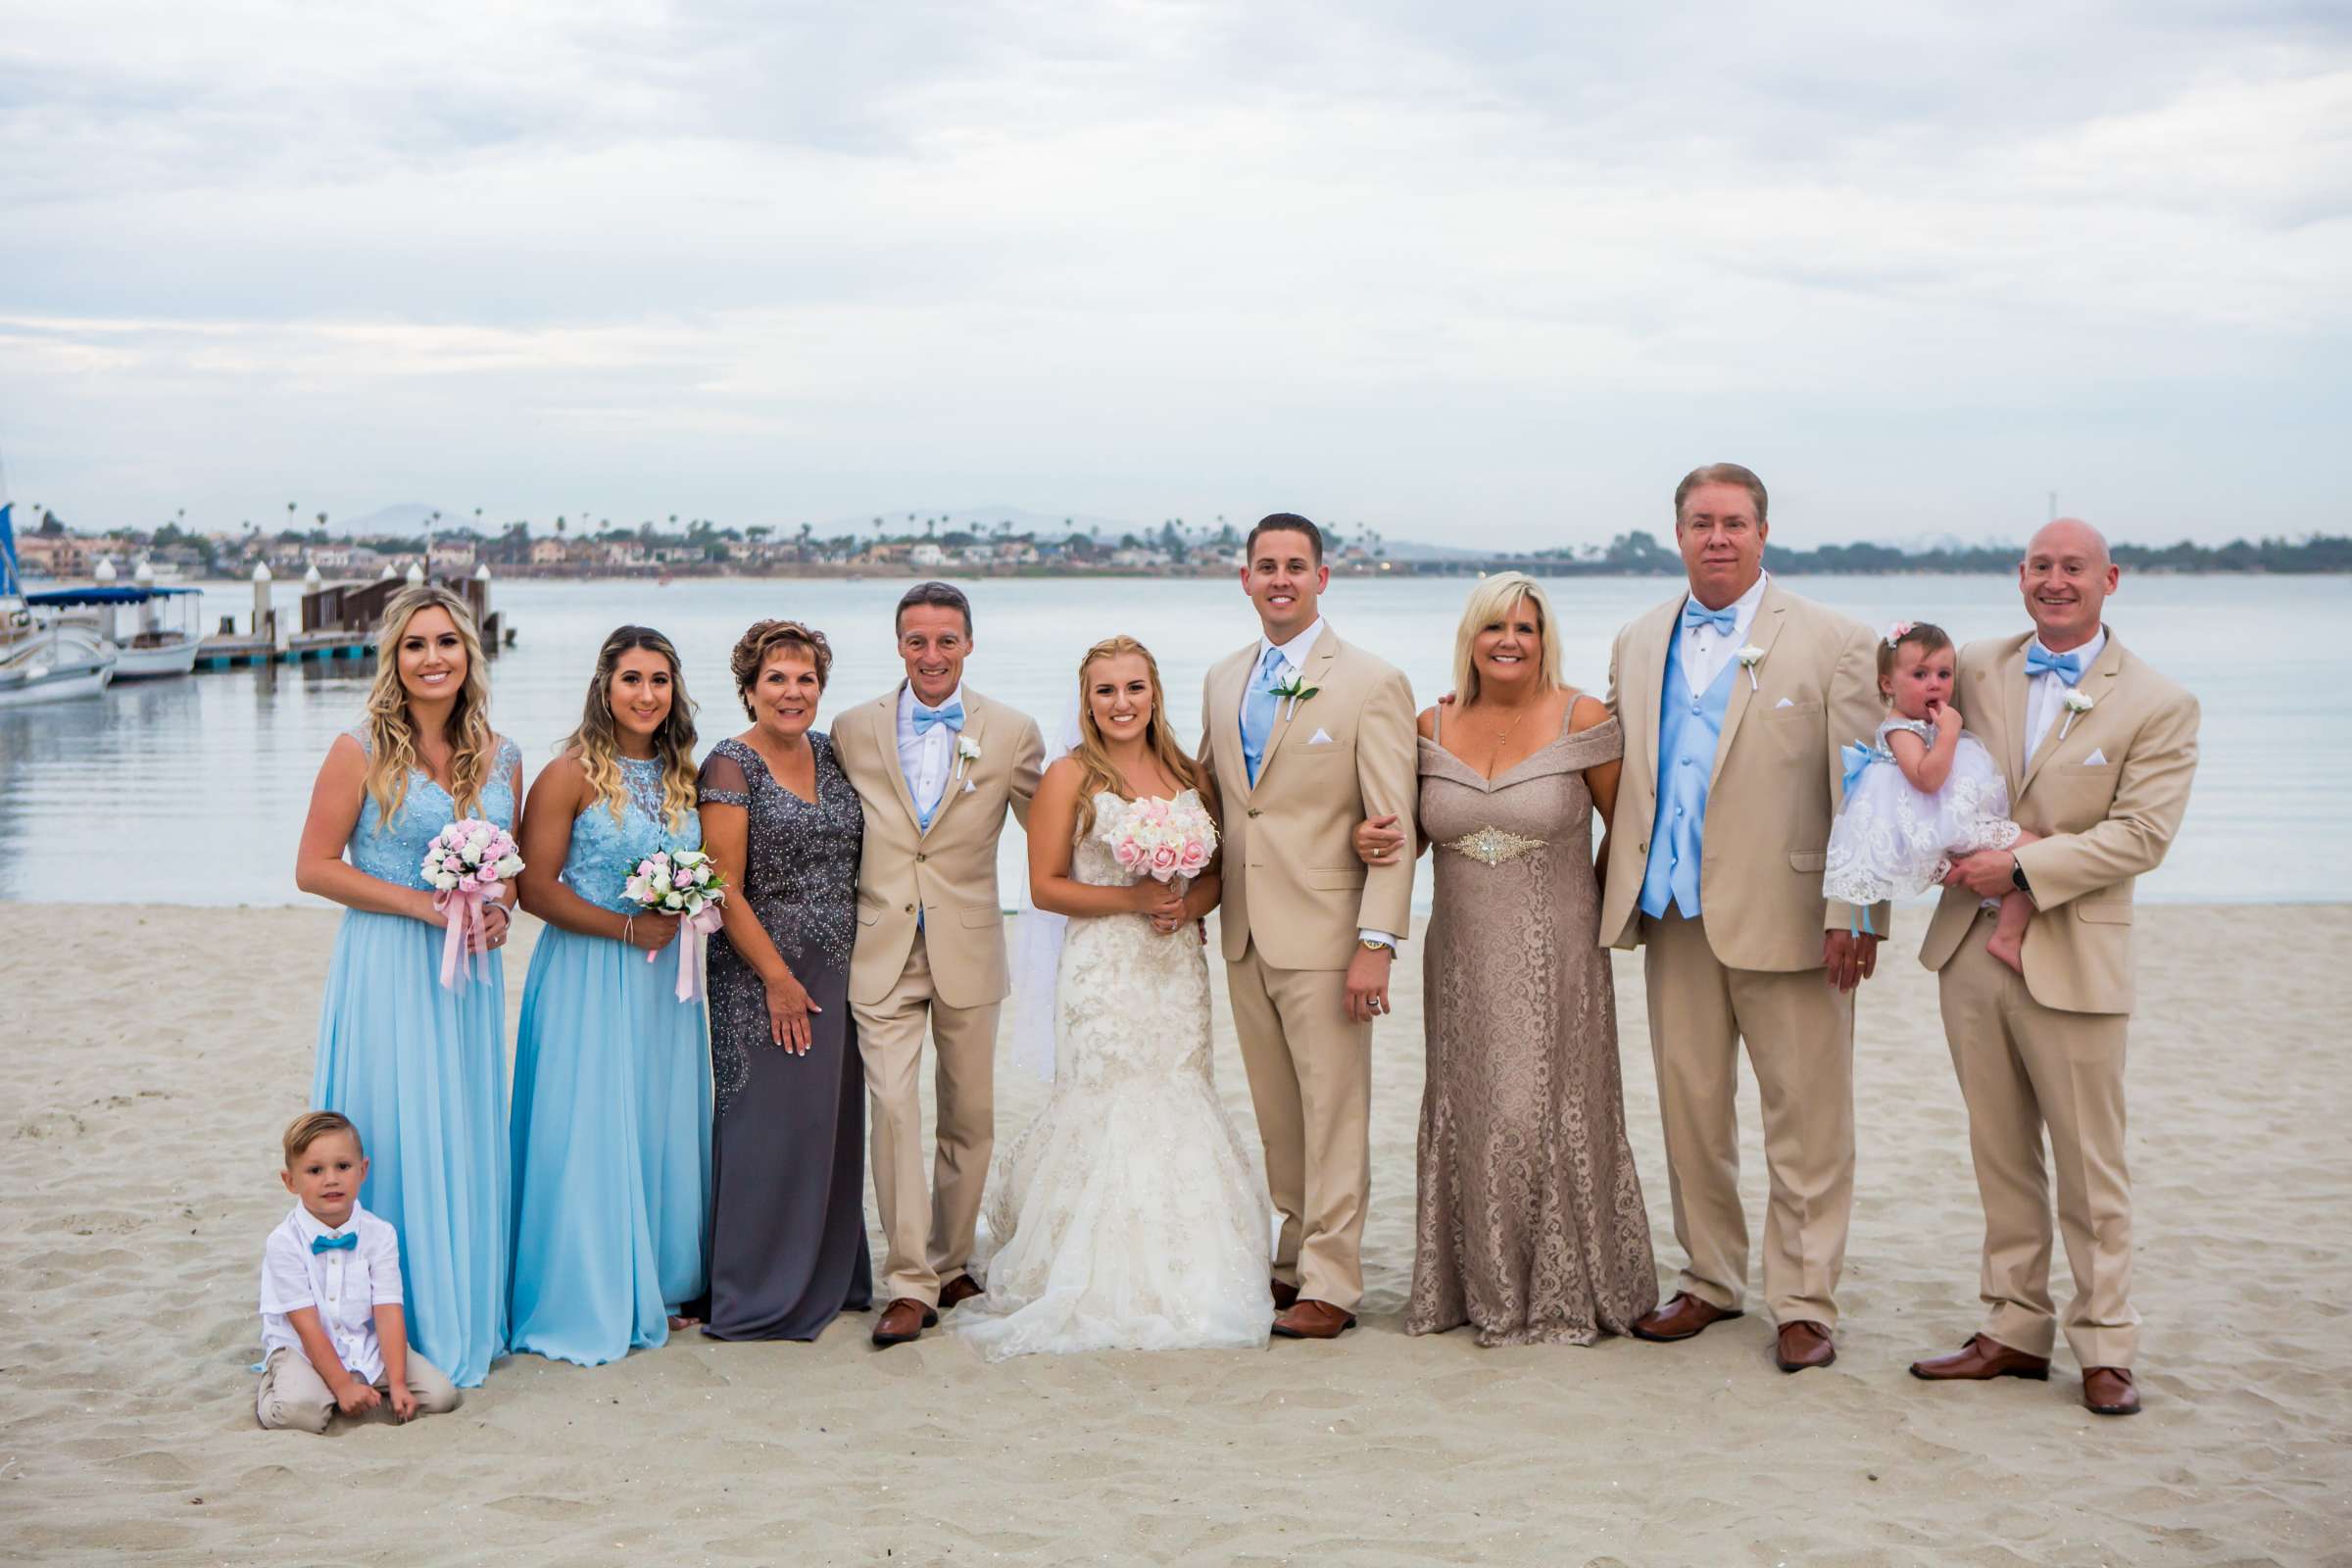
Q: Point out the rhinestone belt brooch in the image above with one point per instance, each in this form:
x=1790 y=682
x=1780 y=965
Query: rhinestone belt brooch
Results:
x=1491 y=846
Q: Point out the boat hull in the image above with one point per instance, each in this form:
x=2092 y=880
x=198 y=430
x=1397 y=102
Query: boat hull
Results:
x=159 y=662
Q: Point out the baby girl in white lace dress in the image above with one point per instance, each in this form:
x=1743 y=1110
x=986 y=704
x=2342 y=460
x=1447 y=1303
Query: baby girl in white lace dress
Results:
x=1925 y=791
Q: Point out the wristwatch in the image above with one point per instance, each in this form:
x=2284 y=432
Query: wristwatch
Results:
x=1370 y=946
x=2017 y=877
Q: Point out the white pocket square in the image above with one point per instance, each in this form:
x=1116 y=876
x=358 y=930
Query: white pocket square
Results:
x=1319 y=738
x=2096 y=759
x=1784 y=703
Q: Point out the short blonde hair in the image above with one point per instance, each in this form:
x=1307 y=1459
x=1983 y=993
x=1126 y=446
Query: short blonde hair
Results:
x=313 y=1125
x=1490 y=602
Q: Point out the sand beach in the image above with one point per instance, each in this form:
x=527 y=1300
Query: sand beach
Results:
x=153 y=1054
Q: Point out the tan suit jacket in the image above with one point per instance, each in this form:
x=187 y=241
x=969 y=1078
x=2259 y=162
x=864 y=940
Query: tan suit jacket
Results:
x=948 y=876
x=1774 y=786
x=2103 y=823
x=1292 y=880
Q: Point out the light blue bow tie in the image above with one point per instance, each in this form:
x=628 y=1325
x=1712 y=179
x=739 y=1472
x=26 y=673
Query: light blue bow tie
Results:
x=2039 y=661
x=950 y=715
x=1697 y=615
x=348 y=1242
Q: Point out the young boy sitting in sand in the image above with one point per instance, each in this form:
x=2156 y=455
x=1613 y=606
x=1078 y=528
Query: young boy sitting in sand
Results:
x=334 y=1333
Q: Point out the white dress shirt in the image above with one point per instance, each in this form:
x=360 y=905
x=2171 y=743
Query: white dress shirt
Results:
x=926 y=760
x=346 y=1287
x=2046 y=694
x=1293 y=668
x=1705 y=651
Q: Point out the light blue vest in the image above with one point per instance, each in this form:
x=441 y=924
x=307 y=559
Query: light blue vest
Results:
x=1688 y=729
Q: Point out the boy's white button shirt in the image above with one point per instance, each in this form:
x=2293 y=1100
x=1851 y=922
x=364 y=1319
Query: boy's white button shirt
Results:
x=345 y=1284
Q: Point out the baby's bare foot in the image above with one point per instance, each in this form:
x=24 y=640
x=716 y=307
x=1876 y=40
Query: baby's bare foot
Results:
x=2008 y=949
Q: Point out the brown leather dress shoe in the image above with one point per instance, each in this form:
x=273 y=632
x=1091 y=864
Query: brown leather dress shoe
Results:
x=1284 y=1295
x=962 y=1288
x=1307 y=1320
x=1681 y=1318
x=902 y=1321
x=1983 y=1358
x=1804 y=1344
x=2110 y=1391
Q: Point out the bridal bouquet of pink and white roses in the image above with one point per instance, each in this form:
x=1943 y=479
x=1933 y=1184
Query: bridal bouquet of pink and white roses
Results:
x=685 y=883
x=1164 y=839
x=468 y=863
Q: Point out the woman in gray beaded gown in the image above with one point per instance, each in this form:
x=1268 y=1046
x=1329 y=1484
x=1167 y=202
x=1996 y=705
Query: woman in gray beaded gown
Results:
x=1531 y=1226
x=788 y=1250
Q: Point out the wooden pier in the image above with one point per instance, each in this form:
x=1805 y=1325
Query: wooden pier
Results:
x=339 y=622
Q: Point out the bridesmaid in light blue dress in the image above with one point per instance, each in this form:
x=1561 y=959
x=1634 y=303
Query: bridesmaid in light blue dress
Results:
x=418 y=1068
x=612 y=1124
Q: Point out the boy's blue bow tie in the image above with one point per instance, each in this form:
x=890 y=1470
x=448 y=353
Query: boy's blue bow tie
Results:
x=348 y=1242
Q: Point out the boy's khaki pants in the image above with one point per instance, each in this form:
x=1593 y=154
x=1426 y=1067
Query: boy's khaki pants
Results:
x=295 y=1398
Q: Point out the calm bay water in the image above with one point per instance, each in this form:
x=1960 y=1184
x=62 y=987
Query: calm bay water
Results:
x=193 y=791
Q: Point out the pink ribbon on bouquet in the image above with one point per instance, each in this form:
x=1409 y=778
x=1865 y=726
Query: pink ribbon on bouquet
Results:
x=461 y=908
x=693 y=932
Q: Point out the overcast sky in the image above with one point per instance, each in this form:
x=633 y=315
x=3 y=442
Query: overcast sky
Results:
x=1491 y=271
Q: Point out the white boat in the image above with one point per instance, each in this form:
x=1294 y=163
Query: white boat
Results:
x=41 y=663
x=153 y=629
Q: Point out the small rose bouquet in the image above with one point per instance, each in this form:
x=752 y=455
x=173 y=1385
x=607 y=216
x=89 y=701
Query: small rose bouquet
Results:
x=1164 y=839
x=687 y=884
x=468 y=863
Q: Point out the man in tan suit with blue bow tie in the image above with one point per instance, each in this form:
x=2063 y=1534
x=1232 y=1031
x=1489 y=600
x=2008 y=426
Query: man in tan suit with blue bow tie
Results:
x=1734 y=698
x=1306 y=736
x=937 y=765
x=2099 y=750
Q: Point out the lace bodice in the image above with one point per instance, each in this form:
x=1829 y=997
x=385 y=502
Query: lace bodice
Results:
x=1128 y=994
x=394 y=851
x=603 y=853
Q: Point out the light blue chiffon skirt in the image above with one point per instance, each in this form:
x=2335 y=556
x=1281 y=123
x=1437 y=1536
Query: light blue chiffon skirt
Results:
x=611 y=1136
x=421 y=1072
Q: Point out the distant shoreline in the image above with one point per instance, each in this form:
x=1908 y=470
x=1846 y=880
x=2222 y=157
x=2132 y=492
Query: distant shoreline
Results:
x=1545 y=570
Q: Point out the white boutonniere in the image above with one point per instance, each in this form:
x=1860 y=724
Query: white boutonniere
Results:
x=1749 y=658
x=2075 y=703
x=968 y=752
x=1295 y=690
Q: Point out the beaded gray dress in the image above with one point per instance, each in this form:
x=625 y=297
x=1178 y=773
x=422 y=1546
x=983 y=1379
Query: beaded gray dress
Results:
x=788 y=1250
x=1531 y=1226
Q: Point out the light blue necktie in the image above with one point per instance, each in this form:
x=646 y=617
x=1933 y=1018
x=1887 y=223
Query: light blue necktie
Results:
x=1258 y=712
x=348 y=1242
x=1697 y=615
x=950 y=715
x=2039 y=661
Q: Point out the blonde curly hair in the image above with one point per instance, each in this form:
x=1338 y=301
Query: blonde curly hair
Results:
x=673 y=743
x=392 y=741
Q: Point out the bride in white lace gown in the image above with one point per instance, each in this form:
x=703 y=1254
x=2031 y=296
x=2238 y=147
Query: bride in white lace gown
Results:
x=1127 y=1216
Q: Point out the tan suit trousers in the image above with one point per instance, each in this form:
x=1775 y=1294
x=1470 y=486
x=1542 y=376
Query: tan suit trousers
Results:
x=1311 y=1077
x=927 y=1226
x=1800 y=1042
x=294 y=1397
x=2024 y=1066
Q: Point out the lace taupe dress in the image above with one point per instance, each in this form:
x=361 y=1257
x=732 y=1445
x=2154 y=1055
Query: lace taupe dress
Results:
x=1531 y=1226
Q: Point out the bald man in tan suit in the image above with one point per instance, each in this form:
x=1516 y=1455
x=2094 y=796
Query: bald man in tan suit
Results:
x=937 y=765
x=1308 y=931
x=1734 y=698
x=2099 y=750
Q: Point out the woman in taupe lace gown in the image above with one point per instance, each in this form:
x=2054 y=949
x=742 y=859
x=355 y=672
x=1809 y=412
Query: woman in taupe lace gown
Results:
x=1531 y=1226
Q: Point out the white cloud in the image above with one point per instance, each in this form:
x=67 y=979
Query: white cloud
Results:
x=1508 y=269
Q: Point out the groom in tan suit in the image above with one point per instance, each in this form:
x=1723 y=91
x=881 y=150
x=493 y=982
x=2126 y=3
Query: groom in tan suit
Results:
x=1306 y=736
x=936 y=765
x=1734 y=698
x=2099 y=750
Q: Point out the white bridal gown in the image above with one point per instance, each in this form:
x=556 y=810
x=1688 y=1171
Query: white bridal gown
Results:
x=1127 y=1215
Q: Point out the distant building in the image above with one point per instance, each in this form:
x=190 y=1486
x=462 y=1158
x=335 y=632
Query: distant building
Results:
x=547 y=552
x=926 y=553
